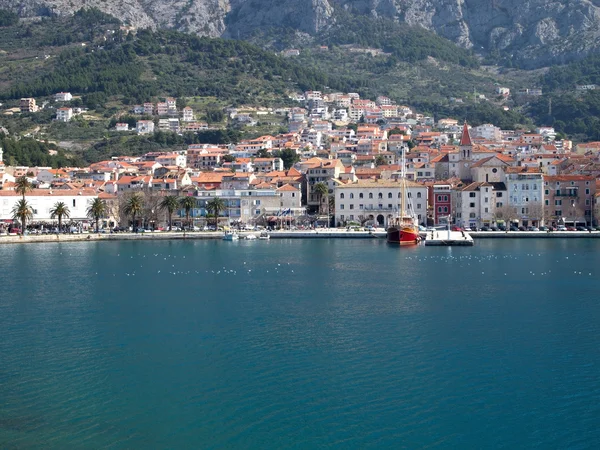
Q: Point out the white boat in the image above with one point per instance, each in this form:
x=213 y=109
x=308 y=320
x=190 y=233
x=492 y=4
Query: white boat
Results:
x=250 y=237
x=264 y=236
x=230 y=236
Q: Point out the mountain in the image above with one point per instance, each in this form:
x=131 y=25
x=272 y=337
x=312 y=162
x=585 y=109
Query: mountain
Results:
x=529 y=33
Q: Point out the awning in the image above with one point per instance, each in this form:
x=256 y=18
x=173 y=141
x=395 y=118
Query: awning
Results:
x=278 y=218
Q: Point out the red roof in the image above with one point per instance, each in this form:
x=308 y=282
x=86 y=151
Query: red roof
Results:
x=465 y=139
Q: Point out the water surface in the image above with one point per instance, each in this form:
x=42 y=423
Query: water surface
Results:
x=300 y=344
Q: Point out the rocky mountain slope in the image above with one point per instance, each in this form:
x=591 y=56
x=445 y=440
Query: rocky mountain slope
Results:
x=531 y=32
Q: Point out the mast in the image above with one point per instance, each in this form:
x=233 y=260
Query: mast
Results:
x=403 y=185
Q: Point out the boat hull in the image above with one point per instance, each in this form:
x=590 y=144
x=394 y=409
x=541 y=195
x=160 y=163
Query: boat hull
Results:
x=403 y=236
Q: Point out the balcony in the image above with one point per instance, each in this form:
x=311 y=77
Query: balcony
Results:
x=567 y=193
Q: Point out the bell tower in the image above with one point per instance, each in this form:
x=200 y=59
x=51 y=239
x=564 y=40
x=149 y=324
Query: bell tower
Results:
x=465 y=146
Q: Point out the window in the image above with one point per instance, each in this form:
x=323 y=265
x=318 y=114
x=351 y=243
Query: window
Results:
x=390 y=206
x=445 y=198
x=351 y=206
x=257 y=212
x=494 y=170
x=351 y=216
x=587 y=192
x=557 y=202
x=498 y=205
x=534 y=187
x=486 y=199
x=439 y=198
x=361 y=206
x=342 y=195
x=471 y=205
x=547 y=202
x=257 y=202
x=558 y=213
x=587 y=201
x=546 y=192
x=439 y=209
x=472 y=215
x=341 y=217
x=342 y=206
x=351 y=195
x=418 y=206
x=409 y=195
x=73 y=203
x=485 y=210
x=380 y=195
x=370 y=195
x=418 y=195
x=498 y=194
x=360 y=195
x=293 y=194
x=389 y=195
x=472 y=194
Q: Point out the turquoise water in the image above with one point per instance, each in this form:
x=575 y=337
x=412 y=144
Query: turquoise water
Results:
x=300 y=344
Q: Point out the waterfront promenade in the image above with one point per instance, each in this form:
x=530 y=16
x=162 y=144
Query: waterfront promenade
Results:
x=326 y=233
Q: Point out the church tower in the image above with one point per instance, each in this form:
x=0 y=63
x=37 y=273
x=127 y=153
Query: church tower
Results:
x=465 y=146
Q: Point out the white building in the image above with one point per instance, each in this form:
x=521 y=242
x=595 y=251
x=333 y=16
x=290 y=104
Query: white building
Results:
x=487 y=131
x=144 y=127
x=64 y=114
x=63 y=97
x=377 y=201
x=188 y=114
x=121 y=126
x=42 y=202
x=526 y=195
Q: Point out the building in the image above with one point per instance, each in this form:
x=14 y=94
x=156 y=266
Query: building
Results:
x=121 y=126
x=187 y=114
x=42 y=202
x=64 y=114
x=526 y=196
x=442 y=203
x=144 y=127
x=377 y=201
x=28 y=105
x=569 y=199
x=475 y=204
x=63 y=97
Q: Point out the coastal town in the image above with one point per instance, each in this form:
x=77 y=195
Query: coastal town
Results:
x=338 y=165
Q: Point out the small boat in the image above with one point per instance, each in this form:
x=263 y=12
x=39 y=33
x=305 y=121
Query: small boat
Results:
x=264 y=236
x=230 y=236
x=251 y=237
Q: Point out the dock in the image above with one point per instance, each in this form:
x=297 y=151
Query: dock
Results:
x=448 y=238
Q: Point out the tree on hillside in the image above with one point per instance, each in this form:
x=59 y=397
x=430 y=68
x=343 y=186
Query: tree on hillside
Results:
x=58 y=211
x=289 y=157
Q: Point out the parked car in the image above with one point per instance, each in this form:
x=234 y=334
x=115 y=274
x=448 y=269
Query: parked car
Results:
x=467 y=229
x=588 y=228
x=543 y=228
x=513 y=228
x=456 y=228
x=532 y=228
x=571 y=229
x=561 y=228
x=581 y=228
x=492 y=228
x=484 y=228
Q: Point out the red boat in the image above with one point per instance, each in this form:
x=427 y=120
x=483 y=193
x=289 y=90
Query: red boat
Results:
x=405 y=232
x=403 y=229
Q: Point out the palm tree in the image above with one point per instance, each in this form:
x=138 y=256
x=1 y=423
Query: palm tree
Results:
x=60 y=210
x=187 y=203
x=214 y=207
x=134 y=207
x=96 y=210
x=169 y=203
x=23 y=186
x=321 y=190
x=22 y=211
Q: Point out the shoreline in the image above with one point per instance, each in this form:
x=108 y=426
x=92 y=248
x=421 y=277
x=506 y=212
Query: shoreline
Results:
x=300 y=234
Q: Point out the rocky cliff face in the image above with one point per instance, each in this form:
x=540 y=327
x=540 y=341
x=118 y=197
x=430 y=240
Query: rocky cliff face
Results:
x=534 y=31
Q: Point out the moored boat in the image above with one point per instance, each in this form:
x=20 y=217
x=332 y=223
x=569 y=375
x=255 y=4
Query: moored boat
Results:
x=404 y=228
x=264 y=236
x=230 y=236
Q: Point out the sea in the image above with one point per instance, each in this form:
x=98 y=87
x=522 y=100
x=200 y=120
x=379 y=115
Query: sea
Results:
x=301 y=344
